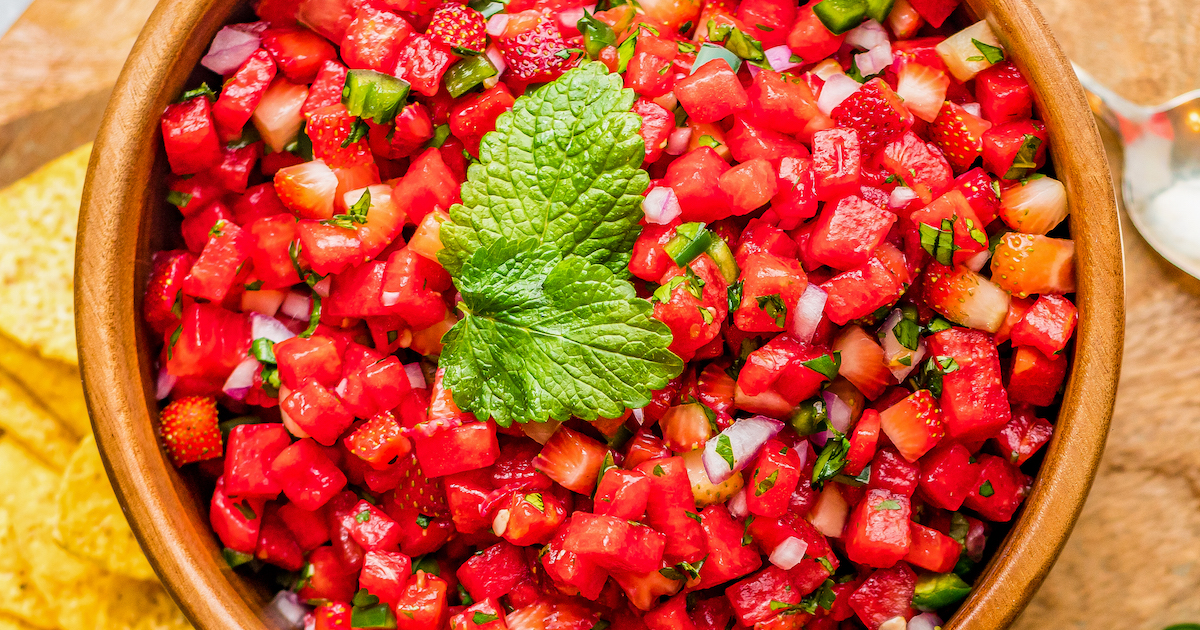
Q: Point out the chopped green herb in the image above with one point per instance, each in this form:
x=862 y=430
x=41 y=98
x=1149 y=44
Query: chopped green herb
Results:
x=992 y=54
x=363 y=516
x=314 y=318
x=986 y=489
x=766 y=484
x=536 y=501
x=440 y=133
x=907 y=333
x=357 y=132
x=357 y=214
x=174 y=339
x=178 y=199
x=774 y=307
x=243 y=506
x=939 y=242
x=832 y=459
x=423 y=521
x=254 y=286
x=734 y=293
x=217 y=230
x=692 y=515
x=725 y=450
x=203 y=90
x=888 y=504
x=481 y=618
x=826 y=365
x=1025 y=159
x=658 y=471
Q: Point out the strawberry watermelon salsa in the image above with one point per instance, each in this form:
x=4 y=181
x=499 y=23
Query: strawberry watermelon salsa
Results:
x=649 y=315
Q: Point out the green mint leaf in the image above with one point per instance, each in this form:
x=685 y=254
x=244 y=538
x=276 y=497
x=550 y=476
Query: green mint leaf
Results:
x=826 y=365
x=550 y=337
x=939 y=242
x=536 y=501
x=888 y=504
x=725 y=450
x=1024 y=161
x=993 y=54
x=907 y=333
x=481 y=618
x=986 y=489
x=563 y=168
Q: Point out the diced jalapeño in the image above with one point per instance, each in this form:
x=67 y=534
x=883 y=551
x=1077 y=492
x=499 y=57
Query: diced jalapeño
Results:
x=840 y=16
x=463 y=76
x=719 y=251
x=691 y=240
x=878 y=10
x=371 y=94
x=709 y=52
x=936 y=590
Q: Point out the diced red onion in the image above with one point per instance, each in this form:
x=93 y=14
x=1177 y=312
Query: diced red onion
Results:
x=837 y=88
x=265 y=301
x=230 y=48
x=263 y=327
x=297 y=305
x=867 y=35
x=639 y=414
x=977 y=262
x=819 y=439
x=837 y=411
x=416 y=376
x=745 y=438
x=972 y=108
x=677 y=142
x=753 y=70
x=809 y=309
x=496 y=24
x=288 y=609
x=780 y=58
x=241 y=379
x=661 y=206
x=875 y=60
x=901 y=195
x=540 y=432
x=895 y=623
x=497 y=58
x=892 y=350
x=166 y=382
x=925 y=621
x=788 y=553
x=737 y=505
x=975 y=542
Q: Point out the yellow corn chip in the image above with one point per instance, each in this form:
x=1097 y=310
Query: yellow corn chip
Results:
x=18 y=596
x=26 y=421
x=55 y=384
x=90 y=521
x=37 y=256
x=8 y=623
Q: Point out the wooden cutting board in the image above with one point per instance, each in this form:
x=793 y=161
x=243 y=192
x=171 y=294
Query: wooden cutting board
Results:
x=1133 y=562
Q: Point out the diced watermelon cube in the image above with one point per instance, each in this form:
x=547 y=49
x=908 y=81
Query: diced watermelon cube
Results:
x=884 y=595
x=999 y=490
x=248 y=455
x=878 y=532
x=190 y=136
x=306 y=475
x=946 y=476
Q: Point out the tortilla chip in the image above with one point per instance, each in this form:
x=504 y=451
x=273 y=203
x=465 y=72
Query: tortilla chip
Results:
x=37 y=256
x=83 y=594
x=18 y=595
x=90 y=521
x=29 y=423
x=57 y=385
x=8 y=623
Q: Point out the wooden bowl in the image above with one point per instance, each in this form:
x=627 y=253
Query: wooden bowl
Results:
x=121 y=223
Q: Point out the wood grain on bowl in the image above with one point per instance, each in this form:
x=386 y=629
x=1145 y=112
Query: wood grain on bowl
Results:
x=122 y=214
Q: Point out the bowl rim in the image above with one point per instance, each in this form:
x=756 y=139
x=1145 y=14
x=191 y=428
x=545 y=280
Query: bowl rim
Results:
x=119 y=389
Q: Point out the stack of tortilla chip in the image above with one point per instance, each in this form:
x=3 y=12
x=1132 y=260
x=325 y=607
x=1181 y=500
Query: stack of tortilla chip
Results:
x=68 y=558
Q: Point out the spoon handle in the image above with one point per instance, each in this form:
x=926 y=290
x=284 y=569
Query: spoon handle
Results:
x=1107 y=105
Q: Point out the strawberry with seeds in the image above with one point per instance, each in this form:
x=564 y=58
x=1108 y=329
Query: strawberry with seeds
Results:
x=189 y=429
x=959 y=134
x=533 y=48
x=876 y=112
x=458 y=26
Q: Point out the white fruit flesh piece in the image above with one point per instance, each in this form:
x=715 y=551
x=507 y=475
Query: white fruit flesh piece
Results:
x=963 y=56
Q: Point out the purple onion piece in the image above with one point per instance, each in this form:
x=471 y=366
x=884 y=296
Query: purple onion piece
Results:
x=734 y=447
x=780 y=58
x=241 y=379
x=661 y=206
x=837 y=411
x=925 y=621
x=836 y=89
x=788 y=553
x=416 y=376
x=166 y=382
x=230 y=48
x=809 y=309
x=263 y=327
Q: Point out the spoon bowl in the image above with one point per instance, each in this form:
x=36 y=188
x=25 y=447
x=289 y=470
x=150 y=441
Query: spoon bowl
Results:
x=1161 y=182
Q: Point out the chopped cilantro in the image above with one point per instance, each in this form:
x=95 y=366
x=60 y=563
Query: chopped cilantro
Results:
x=725 y=450
x=774 y=307
x=992 y=54
x=481 y=618
x=888 y=504
x=766 y=484
x=178 y=199
x=826 y=365
x=986 y=489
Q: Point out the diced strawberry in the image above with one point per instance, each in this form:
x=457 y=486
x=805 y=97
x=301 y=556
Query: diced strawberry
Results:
x=532 y=49
x=644 y=589
x=1048 y=325
x=571 y=459
x=918 y=165
x=1013 y=150
x=299 y=52
x=190 y=136
x=307 y=189
x=189 y=430
x=164 y=289
x=331 y=130
x=373 y=39
x=965 y=297
x=922 y=88
x=529 y=518
x=657 y=124
x=876 y=113
x=1024 y=264
x=422 y=62
x=242 y=93
x=862 y=362
x=458 y=26
x=685 y=427
x=959 y=134
x=981 y=194
x=878 y=532
x=423 y=604
x=326 y=89
x=884 y=595
x=380 y=441
x=1004 y=94
x=1035 y=378
x=932 y=550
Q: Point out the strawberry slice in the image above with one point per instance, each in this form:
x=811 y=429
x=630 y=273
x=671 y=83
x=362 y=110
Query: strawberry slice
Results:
x=959 y=134
x=532 y=49
x=923 y=89
x=965 y=297
x=863 y=362
x=981 y=193
x=167 y=272
x=876 y=112
x=571 y=459
x=919 y=165
x=1025 y=264
x=458 y=26
x=338 y=138
x=914 y=425
x=418 y=492
x=189 y=430
x=307 y=189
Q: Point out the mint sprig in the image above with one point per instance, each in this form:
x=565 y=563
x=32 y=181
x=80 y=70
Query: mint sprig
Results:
x=563 y=168
x=549 y=337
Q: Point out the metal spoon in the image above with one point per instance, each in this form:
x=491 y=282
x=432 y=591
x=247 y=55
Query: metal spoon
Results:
x=1161 y=185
